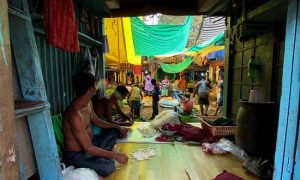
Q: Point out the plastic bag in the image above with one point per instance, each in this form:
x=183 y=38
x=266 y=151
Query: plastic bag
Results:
x=214 y=148
x=72 y=173
x=233 y=149
x=89 y=62
x=260 y=167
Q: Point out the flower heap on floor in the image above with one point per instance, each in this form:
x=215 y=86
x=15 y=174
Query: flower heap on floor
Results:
x=144 y=154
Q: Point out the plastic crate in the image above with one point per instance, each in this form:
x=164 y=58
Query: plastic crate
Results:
x=217 y=130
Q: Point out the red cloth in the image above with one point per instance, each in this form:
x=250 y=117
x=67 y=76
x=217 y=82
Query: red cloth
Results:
x=227 y=176
x=163 y=138
x=188 y=133
x=192 y=133
x=137 y=69
x=60 y=24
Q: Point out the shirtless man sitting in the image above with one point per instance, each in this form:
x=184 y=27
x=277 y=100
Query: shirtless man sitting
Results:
x=81 y=148
x=108 y=108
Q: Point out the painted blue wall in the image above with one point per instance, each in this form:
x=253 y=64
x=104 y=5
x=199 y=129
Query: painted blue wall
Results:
x=33 y=88
x=45 y=73
x=287 y=156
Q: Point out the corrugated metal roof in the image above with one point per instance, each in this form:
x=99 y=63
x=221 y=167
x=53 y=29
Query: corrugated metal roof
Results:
x=58 y=68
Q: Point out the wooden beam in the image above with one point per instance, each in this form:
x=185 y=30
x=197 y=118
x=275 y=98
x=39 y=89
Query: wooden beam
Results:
x=269 y=12
x=268 y=6
x=227 y=77
x=152 y=9
x=19 y=13
x=216 y=63
x=84 y=40
x=223 y=5
x=9 y=166
x=204 y=5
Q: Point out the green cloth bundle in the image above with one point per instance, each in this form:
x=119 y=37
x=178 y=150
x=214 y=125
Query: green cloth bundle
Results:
x=59 y=135
x=222 y=121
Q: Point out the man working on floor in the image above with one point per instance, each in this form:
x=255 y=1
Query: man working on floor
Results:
x=108 y=108
x=186 y=104
x=81 y=148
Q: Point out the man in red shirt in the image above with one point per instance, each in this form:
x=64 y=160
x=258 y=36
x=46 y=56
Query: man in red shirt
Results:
x=182 y=85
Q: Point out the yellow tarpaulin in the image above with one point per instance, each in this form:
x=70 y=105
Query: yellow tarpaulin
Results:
x=114 y=32
x=211 y=48
x=205 y=51
x=119 y=36
x=131 y=57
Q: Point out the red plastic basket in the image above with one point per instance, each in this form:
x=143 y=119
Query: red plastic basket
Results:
x=217 y=130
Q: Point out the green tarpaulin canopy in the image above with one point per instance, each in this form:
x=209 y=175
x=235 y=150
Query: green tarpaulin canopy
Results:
x=176 y=68
x=150 y=40
x=218 y=40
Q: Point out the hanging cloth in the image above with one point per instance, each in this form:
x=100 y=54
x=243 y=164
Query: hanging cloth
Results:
x=137 y=69
x=106 y=45
x=152 y=40
x=176 y=68
x=60 y=25
x=218 y=40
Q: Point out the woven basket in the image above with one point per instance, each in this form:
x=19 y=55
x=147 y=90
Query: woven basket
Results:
x=217 y=130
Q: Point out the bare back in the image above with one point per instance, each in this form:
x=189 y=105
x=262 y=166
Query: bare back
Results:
x=102 y=106
x=106 y=107
x=84 y=115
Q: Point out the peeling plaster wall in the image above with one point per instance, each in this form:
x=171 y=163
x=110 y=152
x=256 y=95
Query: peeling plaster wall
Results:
x=8 y=143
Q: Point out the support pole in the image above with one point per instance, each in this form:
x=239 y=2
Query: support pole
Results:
x=9 y=165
